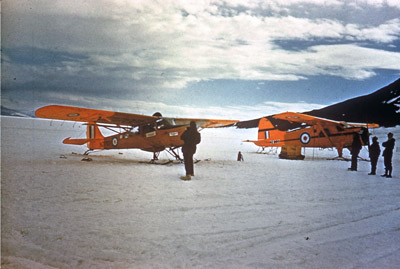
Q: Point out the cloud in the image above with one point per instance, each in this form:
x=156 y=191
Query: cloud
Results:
x=384 y=33
x=376 y=3
x=347 y=61
x=140 y=46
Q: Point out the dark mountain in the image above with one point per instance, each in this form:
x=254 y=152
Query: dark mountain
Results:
x=381 y=107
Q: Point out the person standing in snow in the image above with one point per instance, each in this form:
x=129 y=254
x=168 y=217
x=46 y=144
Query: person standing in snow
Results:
x=374 y=152
x=240 y=157
x=387 y=155
x=191 y=137
x=355 y=150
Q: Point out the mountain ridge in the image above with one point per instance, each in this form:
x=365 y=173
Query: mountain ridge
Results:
x=381 y=107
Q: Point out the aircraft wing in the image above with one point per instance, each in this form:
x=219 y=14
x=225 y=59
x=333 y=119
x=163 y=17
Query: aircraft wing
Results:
x=70 y=113
x=80 y=114
x=301 y=118
x=205 y=123
x=311 y=120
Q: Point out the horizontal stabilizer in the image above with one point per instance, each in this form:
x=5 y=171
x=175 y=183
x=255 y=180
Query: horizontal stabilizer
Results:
x=70 y=141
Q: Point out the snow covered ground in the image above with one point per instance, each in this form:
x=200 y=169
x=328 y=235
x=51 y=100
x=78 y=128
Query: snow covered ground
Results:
x=118 y=212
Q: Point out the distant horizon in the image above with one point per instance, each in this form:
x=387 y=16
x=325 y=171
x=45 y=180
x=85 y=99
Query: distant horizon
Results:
x=9 y=111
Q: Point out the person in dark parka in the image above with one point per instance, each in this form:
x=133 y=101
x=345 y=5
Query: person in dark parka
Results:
x=240 y=157
x=191 y=137
x=355 y=150
x=374 y=152
x=387 y=155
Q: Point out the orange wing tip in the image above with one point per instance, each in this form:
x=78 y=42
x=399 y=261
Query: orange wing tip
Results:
x=219 y=123
x=70 y=141
x=365 y=125
x=42 y=112
x=373 y=125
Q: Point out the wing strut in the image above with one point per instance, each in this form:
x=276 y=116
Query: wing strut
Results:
x=174 y=154
x=155 y=156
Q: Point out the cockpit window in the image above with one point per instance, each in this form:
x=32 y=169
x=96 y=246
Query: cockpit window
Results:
x=163 y=124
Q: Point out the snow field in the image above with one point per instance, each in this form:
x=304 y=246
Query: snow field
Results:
x=118 y=212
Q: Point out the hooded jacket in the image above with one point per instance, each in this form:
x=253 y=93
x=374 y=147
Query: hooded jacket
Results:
x=191 y=137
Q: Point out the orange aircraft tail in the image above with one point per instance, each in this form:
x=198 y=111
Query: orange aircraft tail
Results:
x=94 y=138
x=269 y=134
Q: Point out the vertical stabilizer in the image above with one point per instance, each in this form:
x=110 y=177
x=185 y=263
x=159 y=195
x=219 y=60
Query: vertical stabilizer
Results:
x=264 y=129
x=95 y=137
x=268 y=133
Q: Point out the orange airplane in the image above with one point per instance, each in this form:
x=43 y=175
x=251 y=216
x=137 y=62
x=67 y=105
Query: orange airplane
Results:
x=132 y=131
x=292 y=131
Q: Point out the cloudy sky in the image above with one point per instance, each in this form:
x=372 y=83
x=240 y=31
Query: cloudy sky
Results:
x=223 y=58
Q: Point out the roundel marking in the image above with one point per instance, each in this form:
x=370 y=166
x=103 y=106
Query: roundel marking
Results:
x=114 y=141
x=305 y=138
